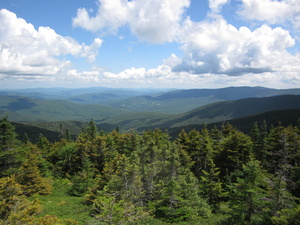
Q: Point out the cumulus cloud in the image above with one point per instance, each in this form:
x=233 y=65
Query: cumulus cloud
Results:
x=220 y=48
x=271 y=11
x=25 y=50
x=111 y=15
x=155 y=21
x=216 y=5
x=217 y=53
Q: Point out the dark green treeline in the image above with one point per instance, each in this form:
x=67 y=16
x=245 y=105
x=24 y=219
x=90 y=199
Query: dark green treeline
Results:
x=216 y=176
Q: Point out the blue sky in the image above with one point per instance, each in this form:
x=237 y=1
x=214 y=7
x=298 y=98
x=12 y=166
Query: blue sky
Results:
x=149 y=43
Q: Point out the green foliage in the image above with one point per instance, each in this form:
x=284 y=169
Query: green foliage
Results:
x=206 y=176
x=7 y=135
x=211 y=186
x=235 y=149
x=55 y=110
x=110 y=210
x=247 y=194
x=287 y=217
x=30 y=178
x=14 y=207
x=83 y=180
x=176 y=204
x=10 y=152
x=63 y=206
x=65 y=158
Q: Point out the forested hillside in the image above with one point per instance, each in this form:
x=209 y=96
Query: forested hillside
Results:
x=137 y=100
x=180 y=101
x=208 y=176
x=211 y=113
x=27 y=109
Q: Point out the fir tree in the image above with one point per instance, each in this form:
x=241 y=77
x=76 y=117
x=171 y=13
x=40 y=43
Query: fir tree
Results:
x=30 y=178
x=211 y=186
x=247 y=195
x=7 y=135
x=10 y=154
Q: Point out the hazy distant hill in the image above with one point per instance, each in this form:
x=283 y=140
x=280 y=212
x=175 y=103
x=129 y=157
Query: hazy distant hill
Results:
x=108 y=96
x=27 y=109
x=241 y=113
x=229 y=93
x=215 y=112
x=142 y=112
x=92 y=95
x=285 y=117
x=153 y=100
x=180 y=101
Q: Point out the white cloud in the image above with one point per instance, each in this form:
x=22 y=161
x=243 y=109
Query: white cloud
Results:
x=215 y=49
x=128 y=74
x=155 y=21
x=25 y=50
x=216 y=5
x=111 y=15
x=271 y=11
x=218 y=47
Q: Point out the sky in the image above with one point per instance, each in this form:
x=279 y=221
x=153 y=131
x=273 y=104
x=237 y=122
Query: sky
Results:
x=149 y=43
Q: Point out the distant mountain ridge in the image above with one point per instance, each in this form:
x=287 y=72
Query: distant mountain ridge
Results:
x=179 y=101
x=153 y=100
x=20 y=108
x=195 y=119
x=145 y=111
x=215 y=112
x=228 y=93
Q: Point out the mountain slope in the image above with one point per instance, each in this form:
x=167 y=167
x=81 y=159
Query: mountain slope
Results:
x=272 y=118
x=27 y=109
x=220 y=111
x=169 y=102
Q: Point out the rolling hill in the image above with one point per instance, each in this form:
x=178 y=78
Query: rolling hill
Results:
x=215 y=112
x=272 y=118
x=229 y=104
x=153 y=100
x=241 y=113
x=169 y=102
x=26 y=109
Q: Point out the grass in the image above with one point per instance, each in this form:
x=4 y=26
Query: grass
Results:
x=64 y=206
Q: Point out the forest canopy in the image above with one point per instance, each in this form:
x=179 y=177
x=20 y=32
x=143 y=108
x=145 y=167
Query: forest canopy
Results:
x=207 y=176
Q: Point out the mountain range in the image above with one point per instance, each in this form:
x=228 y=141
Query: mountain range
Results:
x=55 y=110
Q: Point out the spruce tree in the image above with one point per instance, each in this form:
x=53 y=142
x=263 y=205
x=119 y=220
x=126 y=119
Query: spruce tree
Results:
x=29 y=176
x=235 y=150
x=247 y=194
x=211 y=186
x=10 y=156
x=15 y=208
x=7 y=135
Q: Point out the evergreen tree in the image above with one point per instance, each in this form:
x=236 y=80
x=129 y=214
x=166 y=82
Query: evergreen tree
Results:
x=109 y=209
x=10 y=153
x=235 y=150
x=199 y=146
x=211 y=186
x=289 y=216
x=92 y=130
x=83 y=180
x=30 y=178
x=283 y=149
x=258 y=138
x=247 y=194
x=7 y=135
x=14 y=207
x=176 y=193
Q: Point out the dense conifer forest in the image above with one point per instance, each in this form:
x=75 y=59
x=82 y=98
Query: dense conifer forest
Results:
x=208 y=176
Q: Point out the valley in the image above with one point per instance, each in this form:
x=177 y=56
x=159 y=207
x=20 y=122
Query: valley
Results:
x=56 y=110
